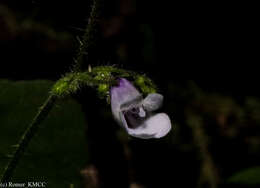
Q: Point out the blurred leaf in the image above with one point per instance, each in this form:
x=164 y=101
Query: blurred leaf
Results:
x=250 y=176
x=58 y=151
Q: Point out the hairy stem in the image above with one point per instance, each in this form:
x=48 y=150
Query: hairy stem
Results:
x=27 y=136
x=89 y=39
x=85 y=45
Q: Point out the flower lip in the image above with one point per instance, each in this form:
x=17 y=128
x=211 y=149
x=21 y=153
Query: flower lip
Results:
x=134 y=117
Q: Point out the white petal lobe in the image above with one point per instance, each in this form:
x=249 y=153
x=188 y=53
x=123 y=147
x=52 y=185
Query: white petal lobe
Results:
x=153 y=101
x=156 y=126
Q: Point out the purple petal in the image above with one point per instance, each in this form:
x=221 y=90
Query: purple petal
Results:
x=153 y=102
x=134 y=114
x=156 y=126
x=122 y=95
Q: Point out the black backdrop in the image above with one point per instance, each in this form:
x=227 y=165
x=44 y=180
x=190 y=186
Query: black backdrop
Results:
x=214 y=44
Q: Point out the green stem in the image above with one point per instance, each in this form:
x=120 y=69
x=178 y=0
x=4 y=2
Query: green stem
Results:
x=89 y=39
x=26 y=138
x=87 y=43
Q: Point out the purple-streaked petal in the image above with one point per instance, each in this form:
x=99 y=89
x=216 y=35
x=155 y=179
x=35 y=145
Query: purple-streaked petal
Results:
x=134 y=114
x=123 y=95
x=153 y=102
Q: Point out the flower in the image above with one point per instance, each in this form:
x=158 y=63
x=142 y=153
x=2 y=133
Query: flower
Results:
x=135 y=114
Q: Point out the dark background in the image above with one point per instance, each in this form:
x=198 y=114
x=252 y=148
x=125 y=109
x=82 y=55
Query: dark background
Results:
x=214 y=44
x=208 y=48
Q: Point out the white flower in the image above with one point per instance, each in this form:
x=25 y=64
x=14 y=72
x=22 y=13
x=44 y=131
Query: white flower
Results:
x=135 y=114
